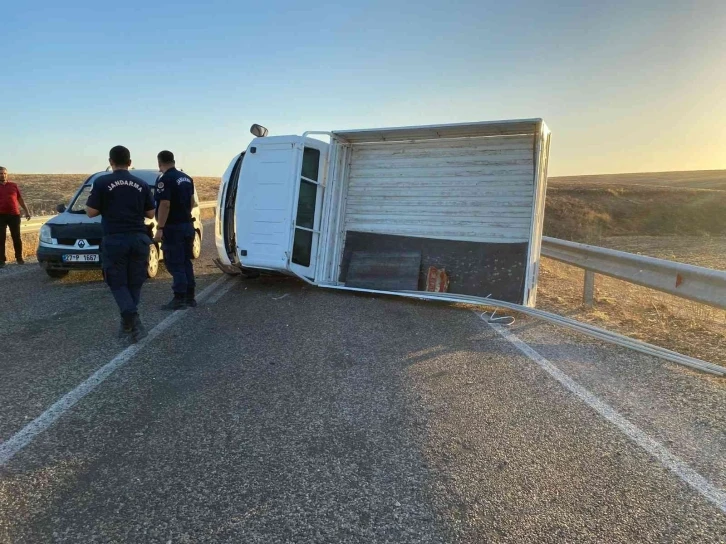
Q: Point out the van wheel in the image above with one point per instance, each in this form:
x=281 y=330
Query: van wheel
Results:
x=197 y=245
x=152 y=266
x=56 y=274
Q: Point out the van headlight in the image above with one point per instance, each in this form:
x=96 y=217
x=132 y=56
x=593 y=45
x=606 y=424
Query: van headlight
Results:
x=45 y=234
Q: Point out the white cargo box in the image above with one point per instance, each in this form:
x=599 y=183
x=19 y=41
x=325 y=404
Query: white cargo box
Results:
x=469 y=197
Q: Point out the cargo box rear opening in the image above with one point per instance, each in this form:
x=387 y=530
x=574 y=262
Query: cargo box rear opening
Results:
x=468 y=200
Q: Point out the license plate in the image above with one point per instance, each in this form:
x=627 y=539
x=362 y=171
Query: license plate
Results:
x=80 y=258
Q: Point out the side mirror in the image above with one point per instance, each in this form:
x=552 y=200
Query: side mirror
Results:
x=258 y=131
x=60 y=208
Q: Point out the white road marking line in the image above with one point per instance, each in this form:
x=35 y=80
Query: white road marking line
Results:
x=26 y=435
x=656 y=449
x=223 y=291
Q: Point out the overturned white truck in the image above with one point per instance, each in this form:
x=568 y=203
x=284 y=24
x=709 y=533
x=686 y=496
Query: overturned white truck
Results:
x=376 y=209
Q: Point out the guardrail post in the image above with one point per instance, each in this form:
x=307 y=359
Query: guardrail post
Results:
x=588 y=296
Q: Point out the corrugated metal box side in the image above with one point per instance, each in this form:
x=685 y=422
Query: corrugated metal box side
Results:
x=473 y=189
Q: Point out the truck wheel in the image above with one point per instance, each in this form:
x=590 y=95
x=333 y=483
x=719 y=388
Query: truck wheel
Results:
x=56 y=274
x=152 y=266
x=197 y=246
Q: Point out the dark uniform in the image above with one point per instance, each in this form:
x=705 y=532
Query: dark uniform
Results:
x=178 y=233
x=123 y=200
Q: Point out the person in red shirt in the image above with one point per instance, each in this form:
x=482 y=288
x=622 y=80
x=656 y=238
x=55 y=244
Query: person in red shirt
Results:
x=10 y=203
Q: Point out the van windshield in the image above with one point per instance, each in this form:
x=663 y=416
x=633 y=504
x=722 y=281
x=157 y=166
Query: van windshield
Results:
x=79 y=203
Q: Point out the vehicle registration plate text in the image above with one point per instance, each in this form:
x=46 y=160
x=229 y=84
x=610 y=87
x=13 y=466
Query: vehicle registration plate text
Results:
x=80 y=258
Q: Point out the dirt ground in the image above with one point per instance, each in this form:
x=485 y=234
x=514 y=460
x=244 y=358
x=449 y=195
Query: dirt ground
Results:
x=706 y=251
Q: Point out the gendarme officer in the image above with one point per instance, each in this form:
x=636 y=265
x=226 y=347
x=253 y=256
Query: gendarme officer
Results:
x=123 y=201
x=174 y=201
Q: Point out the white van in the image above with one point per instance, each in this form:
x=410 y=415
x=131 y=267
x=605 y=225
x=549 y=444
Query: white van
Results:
x=376 y=209
x=72 y=241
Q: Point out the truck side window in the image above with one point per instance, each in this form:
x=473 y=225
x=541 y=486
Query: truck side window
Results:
x=303 y=241
x=311 y=163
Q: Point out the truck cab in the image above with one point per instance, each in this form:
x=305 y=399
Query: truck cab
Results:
x=270 y=204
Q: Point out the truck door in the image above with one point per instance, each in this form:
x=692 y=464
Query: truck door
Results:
x=309 y=198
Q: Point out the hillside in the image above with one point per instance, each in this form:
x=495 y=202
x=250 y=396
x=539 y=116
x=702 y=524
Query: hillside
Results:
x=590 y=212
x=696 y=179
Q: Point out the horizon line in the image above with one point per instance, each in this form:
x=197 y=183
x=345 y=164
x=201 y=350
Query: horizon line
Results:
x=11 y=173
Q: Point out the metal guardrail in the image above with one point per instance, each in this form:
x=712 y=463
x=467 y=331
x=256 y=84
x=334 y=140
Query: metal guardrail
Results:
x=696 y=283
x=33 y=226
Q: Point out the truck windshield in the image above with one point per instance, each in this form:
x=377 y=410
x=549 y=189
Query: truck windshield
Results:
x=79 y=203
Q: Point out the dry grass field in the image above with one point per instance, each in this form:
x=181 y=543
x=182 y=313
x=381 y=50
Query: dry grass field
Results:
x=679 y=216
x=43 y=192
x=695 y=179
x=589 y=213
x=674 y=323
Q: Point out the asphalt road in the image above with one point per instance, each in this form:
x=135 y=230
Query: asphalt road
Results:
x=279 y=412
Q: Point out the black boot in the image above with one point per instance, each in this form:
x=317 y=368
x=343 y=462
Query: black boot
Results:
x=127 y=324
x=138 y=331
x=190 y=300
x=177 y=303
